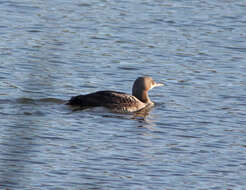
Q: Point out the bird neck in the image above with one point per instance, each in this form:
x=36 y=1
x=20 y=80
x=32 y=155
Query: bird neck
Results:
x=142 y=96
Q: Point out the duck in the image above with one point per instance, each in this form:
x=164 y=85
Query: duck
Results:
x=119 y=101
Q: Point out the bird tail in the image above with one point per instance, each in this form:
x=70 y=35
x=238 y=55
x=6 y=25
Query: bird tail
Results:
x=84 y=101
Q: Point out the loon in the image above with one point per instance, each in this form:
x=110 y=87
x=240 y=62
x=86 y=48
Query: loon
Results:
x=119 y=101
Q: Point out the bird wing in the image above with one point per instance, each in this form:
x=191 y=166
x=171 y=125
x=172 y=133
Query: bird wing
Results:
x=111 y=99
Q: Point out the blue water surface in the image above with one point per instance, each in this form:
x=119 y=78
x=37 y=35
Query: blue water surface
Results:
x=194 y=138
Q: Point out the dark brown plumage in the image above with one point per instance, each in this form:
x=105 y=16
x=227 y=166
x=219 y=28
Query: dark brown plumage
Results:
x=118 y=101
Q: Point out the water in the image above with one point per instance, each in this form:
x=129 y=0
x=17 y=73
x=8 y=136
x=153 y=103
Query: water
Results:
x=194 y=138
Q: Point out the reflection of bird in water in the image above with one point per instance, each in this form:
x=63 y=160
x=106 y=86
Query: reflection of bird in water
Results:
x=118 y=101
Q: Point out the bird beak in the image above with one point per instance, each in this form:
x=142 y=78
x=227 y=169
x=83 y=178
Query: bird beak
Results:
x=159 y=84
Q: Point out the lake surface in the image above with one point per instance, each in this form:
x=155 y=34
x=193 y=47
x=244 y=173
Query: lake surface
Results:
x=195 y=136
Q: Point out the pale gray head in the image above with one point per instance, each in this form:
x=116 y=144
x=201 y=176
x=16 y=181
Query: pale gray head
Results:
x=141 y=86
